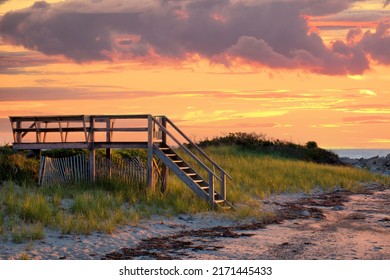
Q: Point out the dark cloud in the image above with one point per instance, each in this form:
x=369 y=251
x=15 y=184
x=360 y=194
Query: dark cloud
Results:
x=266 y=33
x=325 y=7
x=387 y=2
x=378 y=44
x=3 y=1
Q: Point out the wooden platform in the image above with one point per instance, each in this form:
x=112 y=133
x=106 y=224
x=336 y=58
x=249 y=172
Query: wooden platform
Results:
x=126 y=131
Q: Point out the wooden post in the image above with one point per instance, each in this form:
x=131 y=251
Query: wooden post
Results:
x=211 y=190
x=108 y=150
x=92 y=163
x=18 y=134
x=223 y=185
x=149 y=167
x=41 y=171
x=165 y=169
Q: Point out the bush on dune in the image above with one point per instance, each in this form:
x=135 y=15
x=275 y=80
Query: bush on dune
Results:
x=16 y=166
x=261 y=144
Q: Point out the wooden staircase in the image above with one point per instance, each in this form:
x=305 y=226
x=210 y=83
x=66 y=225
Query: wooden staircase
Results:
x=204 y=187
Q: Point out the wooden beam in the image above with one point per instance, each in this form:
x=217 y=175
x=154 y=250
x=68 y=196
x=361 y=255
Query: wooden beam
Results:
x=122 y=129
x=47 y=118
x=92 y=157
x=18 y=134
x=108 y=150
x=149 y=167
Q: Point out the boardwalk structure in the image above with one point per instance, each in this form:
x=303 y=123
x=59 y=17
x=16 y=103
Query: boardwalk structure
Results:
x=162 y=139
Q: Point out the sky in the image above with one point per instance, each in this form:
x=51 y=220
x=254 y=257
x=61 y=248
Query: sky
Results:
x=296 y=70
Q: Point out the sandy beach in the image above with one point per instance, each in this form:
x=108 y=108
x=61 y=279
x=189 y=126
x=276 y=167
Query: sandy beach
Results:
x=336 y=225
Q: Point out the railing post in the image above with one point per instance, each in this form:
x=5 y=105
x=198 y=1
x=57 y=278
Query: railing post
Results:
x=165 y=169
x=150 y=169
x=223 y=185
x=108 y=150
x=211 y=190
x=164 y=125
x=92 y=163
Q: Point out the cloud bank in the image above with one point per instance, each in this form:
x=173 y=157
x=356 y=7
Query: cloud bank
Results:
x=263 y=33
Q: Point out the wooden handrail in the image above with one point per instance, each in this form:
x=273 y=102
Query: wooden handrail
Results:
x=186 y=149
x=197 y=147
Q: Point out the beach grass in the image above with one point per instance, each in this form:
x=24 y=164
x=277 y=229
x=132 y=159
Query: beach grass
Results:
x=103 y=206
x=262 y=175
x=27 y=232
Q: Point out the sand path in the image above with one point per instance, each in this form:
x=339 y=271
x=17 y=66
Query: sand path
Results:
x=337 y=225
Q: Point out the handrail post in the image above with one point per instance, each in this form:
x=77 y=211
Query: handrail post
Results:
x=149 y=167
x=211 y=190
x=165 y=169
x=164 y=125
x=223 y=185
x=108 y=150
x=92 y=162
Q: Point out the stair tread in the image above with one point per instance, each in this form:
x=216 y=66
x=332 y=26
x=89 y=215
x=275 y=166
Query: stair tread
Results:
x=182 y=168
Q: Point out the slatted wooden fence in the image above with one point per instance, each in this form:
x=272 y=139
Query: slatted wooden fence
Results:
x=75 y=169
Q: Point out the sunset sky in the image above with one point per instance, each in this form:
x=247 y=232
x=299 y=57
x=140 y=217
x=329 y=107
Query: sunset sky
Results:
x=297 y=70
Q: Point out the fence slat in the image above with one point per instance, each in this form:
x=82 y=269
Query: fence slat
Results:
x=75 y=169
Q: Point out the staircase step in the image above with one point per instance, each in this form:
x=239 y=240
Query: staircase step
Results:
x=198 y=181
x=190 y=176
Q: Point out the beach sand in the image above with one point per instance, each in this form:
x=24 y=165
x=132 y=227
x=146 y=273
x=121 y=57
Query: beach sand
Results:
x=336 y=225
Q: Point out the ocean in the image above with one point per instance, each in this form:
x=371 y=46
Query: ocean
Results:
x=361 y=153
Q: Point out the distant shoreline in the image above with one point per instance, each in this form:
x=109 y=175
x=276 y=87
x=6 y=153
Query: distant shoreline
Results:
x=361 y=153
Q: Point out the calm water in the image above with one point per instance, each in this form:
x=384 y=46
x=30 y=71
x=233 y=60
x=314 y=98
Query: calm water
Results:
x=361 y=153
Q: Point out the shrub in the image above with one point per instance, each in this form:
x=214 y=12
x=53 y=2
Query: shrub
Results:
x=259 y=143
x=17 y=166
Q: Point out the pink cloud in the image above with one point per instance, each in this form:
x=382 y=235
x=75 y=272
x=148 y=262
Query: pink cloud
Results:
x=266 y=33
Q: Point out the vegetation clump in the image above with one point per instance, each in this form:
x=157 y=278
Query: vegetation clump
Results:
x=259 y=143
x=16 y=166
x=259 y=167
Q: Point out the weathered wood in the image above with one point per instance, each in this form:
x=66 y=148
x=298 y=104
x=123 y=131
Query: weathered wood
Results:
x=156 y=132
x=18 y=133
x=122 y=129
x=41 y=171
x=149 y=166
x=211 y=190
x=223 y=185
x=92 y=169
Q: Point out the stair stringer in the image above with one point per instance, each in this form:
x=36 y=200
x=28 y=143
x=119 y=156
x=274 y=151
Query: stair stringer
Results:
x=180 y=173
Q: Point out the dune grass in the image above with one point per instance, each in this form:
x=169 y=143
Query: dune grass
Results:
x=26 y=210
x=261 y=175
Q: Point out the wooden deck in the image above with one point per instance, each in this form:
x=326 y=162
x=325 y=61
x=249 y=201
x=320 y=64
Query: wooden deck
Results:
x=125 y=131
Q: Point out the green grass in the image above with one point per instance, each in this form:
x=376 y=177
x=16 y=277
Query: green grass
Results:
x=27 y=210
x=27 y=232
x=257 y=175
